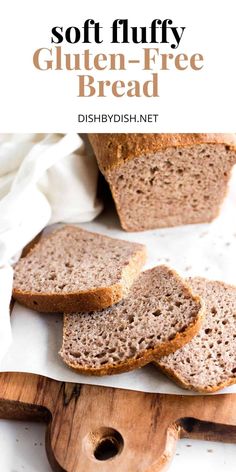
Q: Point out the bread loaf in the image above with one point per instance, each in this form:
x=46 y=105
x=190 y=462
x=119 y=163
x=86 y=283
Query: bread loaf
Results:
x=73 y=269
x=160 y=180
x=159 y=315
x=208 y=362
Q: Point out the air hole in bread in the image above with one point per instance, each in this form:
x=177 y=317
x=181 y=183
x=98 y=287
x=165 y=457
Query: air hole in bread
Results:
x=157 y=313
x=208 y=331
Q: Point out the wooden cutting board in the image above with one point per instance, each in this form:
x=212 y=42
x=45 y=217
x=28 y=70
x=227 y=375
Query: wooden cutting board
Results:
x=97 y=429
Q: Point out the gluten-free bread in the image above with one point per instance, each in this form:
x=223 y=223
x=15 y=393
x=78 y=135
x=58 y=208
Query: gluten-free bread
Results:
x=208 y=362
x=159 y=315
x=160 y=180
x=72 y=269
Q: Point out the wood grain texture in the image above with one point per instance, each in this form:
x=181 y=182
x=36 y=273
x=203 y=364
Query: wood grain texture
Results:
x=97 y=429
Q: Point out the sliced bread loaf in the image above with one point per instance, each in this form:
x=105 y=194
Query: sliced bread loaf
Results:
x=73 y=269
x=160 y=180
x=159 y=315
x=208 y=362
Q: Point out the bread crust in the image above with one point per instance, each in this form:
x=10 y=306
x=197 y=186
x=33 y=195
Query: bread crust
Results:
x=87 y=300
x=148 y=355
x=180 y=381
x=113 y=149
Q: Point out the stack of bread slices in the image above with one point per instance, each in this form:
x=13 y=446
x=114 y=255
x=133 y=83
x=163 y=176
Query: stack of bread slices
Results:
x=117 y=318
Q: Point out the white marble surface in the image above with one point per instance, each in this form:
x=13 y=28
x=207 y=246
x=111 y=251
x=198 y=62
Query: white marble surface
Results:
x=23 y=450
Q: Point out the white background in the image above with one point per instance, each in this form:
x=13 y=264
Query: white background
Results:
x=37 y=101
x=24 y=451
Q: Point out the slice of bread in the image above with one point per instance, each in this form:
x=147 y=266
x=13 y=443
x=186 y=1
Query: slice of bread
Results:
x=73 y=269
x=160 y=180
x=208 y=362
x=159 y=315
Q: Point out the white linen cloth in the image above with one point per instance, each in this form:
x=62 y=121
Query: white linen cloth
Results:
x=43 y=179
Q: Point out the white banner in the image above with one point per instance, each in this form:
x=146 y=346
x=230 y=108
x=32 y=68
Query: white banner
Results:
x=166 y=66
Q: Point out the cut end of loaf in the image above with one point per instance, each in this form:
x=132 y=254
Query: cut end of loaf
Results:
x=73 y=269
x=175 y=186
x=208 y=362
x=159 y=315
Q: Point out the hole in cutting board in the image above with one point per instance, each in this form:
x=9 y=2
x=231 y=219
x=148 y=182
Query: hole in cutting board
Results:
x=104 y=444
x=106 y=449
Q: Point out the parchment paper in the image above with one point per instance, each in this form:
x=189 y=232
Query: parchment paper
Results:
x=207 y=250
